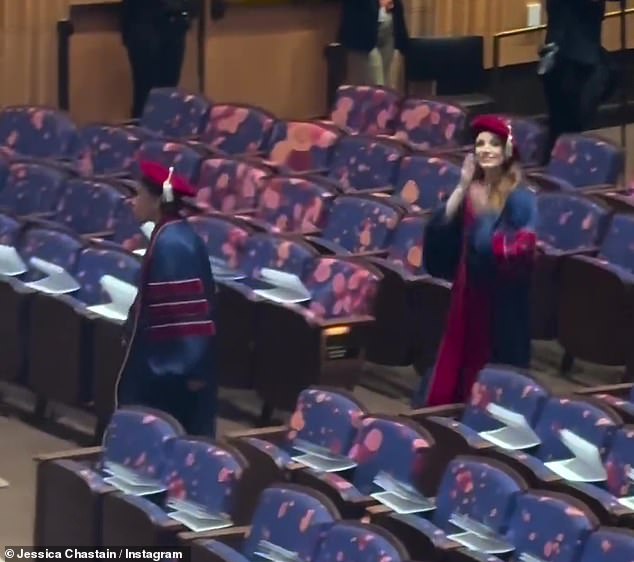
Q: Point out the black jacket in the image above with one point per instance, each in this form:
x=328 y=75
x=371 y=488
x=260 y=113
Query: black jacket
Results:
x=575 y=26
x=359 y=30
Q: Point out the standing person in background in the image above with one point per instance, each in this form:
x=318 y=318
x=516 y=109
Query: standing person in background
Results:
x=154 y=33
x=576 y=72
x=370 y=31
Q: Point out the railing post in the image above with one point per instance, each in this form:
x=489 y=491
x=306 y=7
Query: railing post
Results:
x=64 y=31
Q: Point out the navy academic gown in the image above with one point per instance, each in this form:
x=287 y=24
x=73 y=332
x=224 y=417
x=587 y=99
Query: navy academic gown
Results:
x=171 y=331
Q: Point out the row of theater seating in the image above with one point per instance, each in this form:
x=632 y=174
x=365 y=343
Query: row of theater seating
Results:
x=523 y=474
x=364 y=272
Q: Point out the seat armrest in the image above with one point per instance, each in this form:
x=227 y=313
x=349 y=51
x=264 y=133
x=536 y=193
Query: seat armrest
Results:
x=88 y=453
x=228 y=535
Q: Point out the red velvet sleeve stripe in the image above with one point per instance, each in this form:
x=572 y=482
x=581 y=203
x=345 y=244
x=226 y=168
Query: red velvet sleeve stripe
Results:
x=171 y=290
x=508 y=247
x=180 y=330
x=178 y=311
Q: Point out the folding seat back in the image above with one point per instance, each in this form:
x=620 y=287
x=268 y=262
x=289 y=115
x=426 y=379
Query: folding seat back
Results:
x=291 y=204
x=507 y=388
x=341 y=289
x=302 y=146
x=108 y=150
x=53 y=246
x=88 y=206
x=619 y=462
x=38 y=132
x=9 y=230
x=425 y=124
x=185 y=160
x=586 y=420
x=204 y=475
x=549 y=526
x=479 y=489
x=406 y=247
x=585 y=161
x=228 y=185
x=569 y=222
x=362 y=224
x=238 y=129
x=426 y=181
x=389 y=448
x=137 y=439
x=290 y=517
x=172 y=113
x=274 y=252
x=362 y=163
x=618 y=245
x=94 y=263
x=223 y=237
x=127 y=230
x=326 y=418
x=369 y=110
x=353 y=541
x=32 y=188
x=609 y=544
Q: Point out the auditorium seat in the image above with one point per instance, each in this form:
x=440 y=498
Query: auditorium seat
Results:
x=108 y=151
x=71 y=484
x=582 y=163
x=388 y=455
x=598 y=329
x=368 y=110
x=71 y=349
x=620 y=397
x=237 y=129
x=569 y=225
x=287 y=518
x=320 y=432
x=185 y=159
x=320 y=341
x=531 y=138
x=365 y=164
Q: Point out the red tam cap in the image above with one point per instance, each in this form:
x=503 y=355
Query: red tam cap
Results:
x=165 y=181
x=497 y=126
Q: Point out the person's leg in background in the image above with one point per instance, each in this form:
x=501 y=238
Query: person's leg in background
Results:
x=364 y=69
x=386 y=51
x=142 y=44
x=173 y=40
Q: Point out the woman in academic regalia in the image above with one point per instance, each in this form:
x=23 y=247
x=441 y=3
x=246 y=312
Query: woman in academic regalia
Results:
x=170 y=358
x=483 y=239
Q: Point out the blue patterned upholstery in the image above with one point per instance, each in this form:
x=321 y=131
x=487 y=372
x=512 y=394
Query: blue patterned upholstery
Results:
x=547 y=526
x=390 y=446
x=127 y=230
x=363 y=164
x=350 y=541
x=582 y=418
x=108 y=150
x=31 y=188
x=609 y=544
x=369 y=110
x=38 y=132
x=203 y=473
x=619 y=462
x=585 y=161
x=568 y=222
x=52 y=246
x=94 y=263
x=185 y=160
x=238 y=129
x=424 y=182
x=224 y=239
x=618 y=245
x=88 y=206
x=507 y=388
x=9 y=230
x=406 y=247
x=172 y=113
x=361 y=224
x=483 y=490
x=275 y=252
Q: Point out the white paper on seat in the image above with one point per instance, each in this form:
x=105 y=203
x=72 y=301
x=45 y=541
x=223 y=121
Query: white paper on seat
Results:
x=222 y=271
x=400 y=497
x=517 y=433
x=477 y=536
x=287 y=288
x=274 y=553
x=627 y=502
x=122 y=296
x=525 y=557
x=320 y=458
x=4 y=483
x=11 y=263
x=131 y=482
x=57 y=282
x=140 y=251
x=195 y=517
x=586 y=464
x=147 y=228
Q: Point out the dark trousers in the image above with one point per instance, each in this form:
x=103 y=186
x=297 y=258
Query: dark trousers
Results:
x=156 y=49
x=195 y=410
